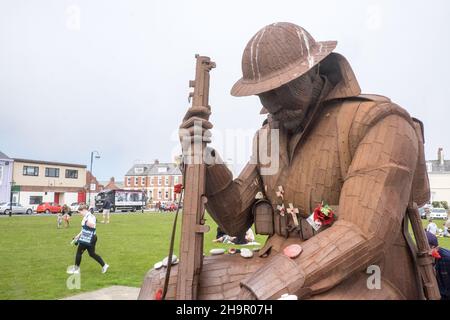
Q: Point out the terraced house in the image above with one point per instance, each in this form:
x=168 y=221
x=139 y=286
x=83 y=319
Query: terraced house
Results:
x=36 y=182
x=439 y=175
x=6 y=166
x=156 y=179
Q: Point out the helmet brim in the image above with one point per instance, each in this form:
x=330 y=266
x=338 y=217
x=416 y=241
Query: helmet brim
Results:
x=243 y=88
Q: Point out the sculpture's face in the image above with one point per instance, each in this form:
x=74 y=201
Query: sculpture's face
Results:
x=289 y=103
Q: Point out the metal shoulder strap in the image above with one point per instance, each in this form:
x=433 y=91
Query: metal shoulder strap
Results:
x=172 y=242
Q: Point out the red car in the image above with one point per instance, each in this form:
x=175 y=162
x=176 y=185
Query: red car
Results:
x=49 y=207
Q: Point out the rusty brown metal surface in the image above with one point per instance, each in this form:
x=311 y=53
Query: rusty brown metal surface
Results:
x=424 y=261
x=362 y=154
x=192 y=225
x=277 y=54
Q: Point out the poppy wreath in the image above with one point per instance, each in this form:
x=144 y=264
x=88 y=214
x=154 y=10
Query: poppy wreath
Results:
x=323 y=214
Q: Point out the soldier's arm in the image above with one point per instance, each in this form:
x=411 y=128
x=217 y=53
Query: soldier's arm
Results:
x=230 y=201
x=373 y=201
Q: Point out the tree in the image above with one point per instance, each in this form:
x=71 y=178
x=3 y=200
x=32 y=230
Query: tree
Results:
x=436 y=204
x=444 y=205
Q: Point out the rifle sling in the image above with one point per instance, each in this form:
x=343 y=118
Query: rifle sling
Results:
x=172 y=242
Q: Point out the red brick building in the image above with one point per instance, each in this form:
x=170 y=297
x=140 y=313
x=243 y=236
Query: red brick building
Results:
x=156 y=179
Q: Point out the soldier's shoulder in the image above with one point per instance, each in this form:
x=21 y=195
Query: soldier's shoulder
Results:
x=368 y=109
x=358 y=114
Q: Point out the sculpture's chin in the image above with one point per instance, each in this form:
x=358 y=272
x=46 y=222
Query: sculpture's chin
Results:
x=290 y=118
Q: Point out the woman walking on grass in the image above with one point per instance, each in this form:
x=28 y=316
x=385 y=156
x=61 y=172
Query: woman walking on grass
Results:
x=86 y=240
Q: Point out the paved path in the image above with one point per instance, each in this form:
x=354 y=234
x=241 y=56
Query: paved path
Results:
x=110 y=293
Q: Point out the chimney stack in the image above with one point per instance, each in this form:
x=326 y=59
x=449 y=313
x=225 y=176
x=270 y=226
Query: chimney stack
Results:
x=441 y=156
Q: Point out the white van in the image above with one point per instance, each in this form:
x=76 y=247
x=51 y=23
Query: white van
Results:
x=438 y=213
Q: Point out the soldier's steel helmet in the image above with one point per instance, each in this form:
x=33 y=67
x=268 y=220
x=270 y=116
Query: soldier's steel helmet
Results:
x=276 y=55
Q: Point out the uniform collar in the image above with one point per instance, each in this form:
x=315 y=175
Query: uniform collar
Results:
x=341 y=75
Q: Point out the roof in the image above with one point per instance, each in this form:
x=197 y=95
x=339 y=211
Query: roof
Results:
x=51 y=163
x=436 y=167
x=153 y=169
x=119 y=184
x=111 y=185
x=4 y=156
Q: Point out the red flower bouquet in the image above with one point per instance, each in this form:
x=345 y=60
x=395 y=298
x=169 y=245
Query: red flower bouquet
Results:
x=323 y=214
x=435 y=254
x=177 y=188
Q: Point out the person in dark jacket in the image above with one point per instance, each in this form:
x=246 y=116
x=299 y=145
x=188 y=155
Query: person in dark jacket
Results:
x=442 y=265
x=106 y=210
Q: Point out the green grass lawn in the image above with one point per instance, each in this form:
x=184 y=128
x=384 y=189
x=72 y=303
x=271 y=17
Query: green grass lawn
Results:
x=34 y=254
x=443 y=242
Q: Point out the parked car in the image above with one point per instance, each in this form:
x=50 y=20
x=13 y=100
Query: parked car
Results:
x=438 y=213
x=49 y=207
x=425 y=211
x=74 y=206
x=17 y=208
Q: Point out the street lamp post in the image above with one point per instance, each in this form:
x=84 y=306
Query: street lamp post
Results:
x=143 y=199
x=97 y=156
x=11 y=199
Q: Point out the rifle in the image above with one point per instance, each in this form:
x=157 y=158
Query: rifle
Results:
x=194 y=174
x=424 y=261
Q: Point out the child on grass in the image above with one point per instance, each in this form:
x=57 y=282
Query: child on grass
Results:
x=59 y=220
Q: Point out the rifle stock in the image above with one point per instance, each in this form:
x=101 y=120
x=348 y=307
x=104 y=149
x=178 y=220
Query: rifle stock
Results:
x=192 y=225
x=425 y=262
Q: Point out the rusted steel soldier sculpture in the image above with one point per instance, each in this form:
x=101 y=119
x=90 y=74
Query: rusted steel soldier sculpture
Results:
x=362 y=153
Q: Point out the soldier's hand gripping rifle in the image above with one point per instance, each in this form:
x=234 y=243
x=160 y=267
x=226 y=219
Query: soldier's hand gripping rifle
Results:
x=194 y=174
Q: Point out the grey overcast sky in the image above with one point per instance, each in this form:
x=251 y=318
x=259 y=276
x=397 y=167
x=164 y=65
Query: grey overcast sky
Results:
x=83 y=75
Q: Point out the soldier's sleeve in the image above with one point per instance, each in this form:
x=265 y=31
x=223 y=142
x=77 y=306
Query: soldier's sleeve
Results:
x=373 y=201
x=230 y=201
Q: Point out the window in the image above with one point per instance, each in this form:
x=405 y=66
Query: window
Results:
x=162 y=169
x=35 y=199
x=128 y=181
x=136 y=181
x=159 y=181
x=159 y=194
x=167 y=194
x=177 y=181
x=71 y=174
x=30 y=171
x=143 y=181
x=135 y=197
x=167 y=181
x=151 y=180
x=138 y=170
x=52 y=172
